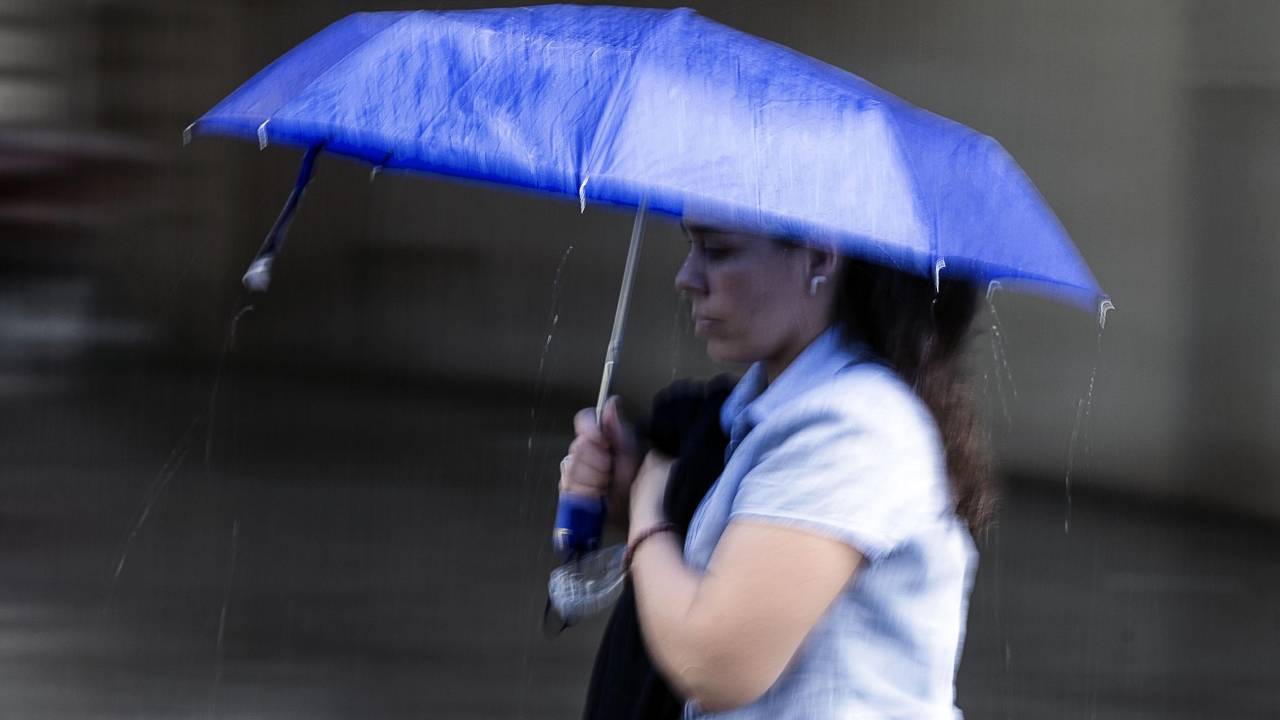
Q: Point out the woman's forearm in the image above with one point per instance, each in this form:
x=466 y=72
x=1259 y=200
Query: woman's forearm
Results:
x=665 y=589
x=693 y=645
x=688 y=647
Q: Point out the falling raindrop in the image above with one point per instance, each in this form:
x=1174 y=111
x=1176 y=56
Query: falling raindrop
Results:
x=539 y=386
x=553 y=321
x=149 y=499
x=228 y=346
x=999 y=357
x=1084 y=409
x=222 y=620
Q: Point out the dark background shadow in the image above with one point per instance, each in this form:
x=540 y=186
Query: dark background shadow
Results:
x=333 y=501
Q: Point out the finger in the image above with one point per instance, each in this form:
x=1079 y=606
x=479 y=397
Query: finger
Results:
x=576 y=474
x=594 y=471
x=579 y=466
x=594 y=444
x=613 y=411
x=568 y=486
x=590 y=456
x=585 y=425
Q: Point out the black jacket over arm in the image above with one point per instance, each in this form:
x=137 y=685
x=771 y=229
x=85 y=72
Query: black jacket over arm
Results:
x=685 y=425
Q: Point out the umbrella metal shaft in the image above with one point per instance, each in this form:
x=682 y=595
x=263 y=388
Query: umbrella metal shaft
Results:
x=620 y=315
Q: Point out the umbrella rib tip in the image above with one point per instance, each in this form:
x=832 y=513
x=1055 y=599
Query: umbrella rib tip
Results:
x=1104 y=307
x=582 y=195
x=262 y=134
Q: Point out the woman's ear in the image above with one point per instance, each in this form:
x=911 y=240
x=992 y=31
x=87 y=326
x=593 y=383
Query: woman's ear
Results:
x=823 y=260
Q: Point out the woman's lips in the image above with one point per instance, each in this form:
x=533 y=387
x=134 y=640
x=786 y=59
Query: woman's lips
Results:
x=701 y=324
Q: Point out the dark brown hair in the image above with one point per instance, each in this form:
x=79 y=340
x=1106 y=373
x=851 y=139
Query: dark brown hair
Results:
x=921 y=332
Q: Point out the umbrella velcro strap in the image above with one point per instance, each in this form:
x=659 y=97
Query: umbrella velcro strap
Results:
x=258 y=277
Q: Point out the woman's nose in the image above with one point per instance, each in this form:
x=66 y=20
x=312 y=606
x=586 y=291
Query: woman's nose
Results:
x=690 y=279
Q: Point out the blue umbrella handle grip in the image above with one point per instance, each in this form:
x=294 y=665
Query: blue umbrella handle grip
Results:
x=579 y=524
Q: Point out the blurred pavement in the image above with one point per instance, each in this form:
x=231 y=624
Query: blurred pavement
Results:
x=341 y=547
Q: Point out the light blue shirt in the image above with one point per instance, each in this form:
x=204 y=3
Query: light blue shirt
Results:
x=838 y=445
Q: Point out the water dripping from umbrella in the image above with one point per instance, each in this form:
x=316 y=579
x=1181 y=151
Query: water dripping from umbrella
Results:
x=178 y=455
x=1084 y=412
x=150 y=497
x=999 y=356
x=539 y=385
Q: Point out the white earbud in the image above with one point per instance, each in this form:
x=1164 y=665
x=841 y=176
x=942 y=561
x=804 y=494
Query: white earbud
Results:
x=814 y=283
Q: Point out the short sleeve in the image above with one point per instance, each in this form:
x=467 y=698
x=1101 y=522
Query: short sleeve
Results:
x=859 y=461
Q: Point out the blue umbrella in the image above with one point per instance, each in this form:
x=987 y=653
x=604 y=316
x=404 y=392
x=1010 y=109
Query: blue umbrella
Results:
x=668 y=109
x=612 y=105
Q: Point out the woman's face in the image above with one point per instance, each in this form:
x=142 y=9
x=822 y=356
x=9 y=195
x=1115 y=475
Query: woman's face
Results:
x=749 y=293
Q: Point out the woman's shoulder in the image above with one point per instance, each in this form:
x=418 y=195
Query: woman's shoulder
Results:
x=858 y=454
x=871 y=398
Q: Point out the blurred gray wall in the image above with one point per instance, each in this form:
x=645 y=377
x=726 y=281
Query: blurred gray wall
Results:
x=1151 y=126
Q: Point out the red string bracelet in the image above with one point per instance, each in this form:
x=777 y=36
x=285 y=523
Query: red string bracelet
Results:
x=641 y=537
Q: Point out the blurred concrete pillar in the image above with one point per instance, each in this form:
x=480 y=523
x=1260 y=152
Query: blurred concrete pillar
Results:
x=158 y=64
x=1087 y=96
x=62 y=181
x=43 y=81
x=1233 y=100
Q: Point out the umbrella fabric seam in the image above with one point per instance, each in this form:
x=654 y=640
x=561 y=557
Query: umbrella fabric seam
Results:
x=912 y=177
x=337 y=62
x=447 y=16
x=611 y=113
x=387 y=160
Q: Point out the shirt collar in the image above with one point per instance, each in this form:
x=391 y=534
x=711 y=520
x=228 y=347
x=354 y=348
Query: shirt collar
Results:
x=751 y=401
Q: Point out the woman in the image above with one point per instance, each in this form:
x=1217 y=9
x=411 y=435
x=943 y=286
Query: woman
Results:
x=826 y=573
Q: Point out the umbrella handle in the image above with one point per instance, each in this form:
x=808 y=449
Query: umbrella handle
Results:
x=579 y=525
x=580 y=518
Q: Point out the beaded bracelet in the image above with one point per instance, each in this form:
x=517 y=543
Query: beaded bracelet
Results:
x=641 y=537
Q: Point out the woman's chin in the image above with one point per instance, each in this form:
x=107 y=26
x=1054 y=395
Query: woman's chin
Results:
x=725 y=352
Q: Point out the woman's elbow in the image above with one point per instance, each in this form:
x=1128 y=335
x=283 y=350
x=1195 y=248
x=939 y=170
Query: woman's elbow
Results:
x=721 y=682
x=718 y=700
x=721 y=694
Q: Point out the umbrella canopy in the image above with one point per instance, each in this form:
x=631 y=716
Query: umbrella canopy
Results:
x=615 y=104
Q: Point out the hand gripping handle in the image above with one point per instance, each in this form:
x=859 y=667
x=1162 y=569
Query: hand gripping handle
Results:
x=579 y=525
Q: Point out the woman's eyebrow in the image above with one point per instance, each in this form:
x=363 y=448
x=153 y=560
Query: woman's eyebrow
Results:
x=696 y=229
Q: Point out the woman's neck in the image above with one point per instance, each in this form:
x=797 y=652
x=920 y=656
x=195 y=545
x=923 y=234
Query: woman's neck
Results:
x=774 y=366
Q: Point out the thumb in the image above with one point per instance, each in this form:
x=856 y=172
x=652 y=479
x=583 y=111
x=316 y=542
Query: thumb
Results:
x=616 y=428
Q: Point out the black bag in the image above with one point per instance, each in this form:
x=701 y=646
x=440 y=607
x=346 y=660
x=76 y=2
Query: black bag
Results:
x=686 y=425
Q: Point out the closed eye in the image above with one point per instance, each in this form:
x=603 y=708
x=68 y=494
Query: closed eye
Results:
x=713 y=244
x=717 y=254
